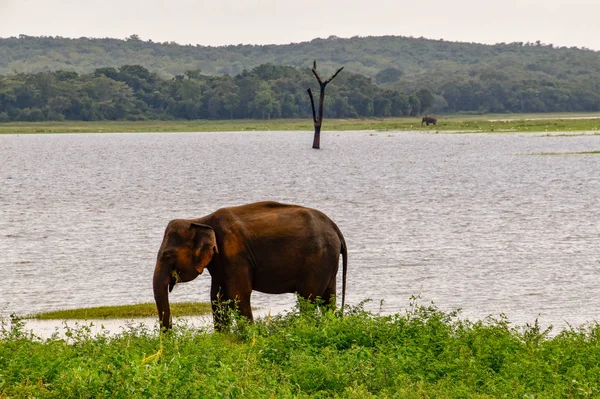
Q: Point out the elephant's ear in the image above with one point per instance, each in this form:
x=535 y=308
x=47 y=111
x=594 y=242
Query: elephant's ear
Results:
x=195 y=226
x=205 y=245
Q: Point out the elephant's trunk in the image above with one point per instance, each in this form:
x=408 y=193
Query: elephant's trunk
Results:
x=161 y=282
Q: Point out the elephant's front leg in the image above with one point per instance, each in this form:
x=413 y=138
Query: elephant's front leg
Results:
x=220 y=306
x=239 y=289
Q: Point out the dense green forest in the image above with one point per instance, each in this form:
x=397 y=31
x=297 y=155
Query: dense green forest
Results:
x=132 y=92
x=367 y=56
x=46 y=78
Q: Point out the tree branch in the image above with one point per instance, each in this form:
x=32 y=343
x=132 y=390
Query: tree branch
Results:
x=334 y=75
x=314 y=71
x=312 y=103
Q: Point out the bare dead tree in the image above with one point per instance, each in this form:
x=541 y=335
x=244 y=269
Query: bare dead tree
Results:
x=318 y=120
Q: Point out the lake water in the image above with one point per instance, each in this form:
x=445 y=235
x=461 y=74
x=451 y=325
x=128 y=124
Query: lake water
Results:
x=469 y=221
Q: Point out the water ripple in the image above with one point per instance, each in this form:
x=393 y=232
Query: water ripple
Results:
x=466 y=221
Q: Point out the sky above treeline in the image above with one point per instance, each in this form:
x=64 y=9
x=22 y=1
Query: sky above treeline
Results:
x=223 y=22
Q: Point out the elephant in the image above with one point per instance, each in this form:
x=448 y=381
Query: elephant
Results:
x=264 y=246
x=428 y=120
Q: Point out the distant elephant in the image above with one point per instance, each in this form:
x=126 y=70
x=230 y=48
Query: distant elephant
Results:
x=428 y=120
x=265 y=246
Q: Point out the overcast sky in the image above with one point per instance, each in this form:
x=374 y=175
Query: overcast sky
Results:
x=221 y=22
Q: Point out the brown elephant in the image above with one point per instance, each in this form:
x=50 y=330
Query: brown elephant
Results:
x=428 y=120
x=265 y=246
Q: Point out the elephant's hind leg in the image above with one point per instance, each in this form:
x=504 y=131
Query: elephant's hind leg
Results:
x=324 y=293
x=329 y=294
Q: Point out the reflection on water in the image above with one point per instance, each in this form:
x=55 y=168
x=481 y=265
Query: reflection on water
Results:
x=466 y=221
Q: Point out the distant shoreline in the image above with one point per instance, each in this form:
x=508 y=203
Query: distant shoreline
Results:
x=492 y=123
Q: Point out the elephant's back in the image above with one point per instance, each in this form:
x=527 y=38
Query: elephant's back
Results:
x=268 y=210
x=270 y=217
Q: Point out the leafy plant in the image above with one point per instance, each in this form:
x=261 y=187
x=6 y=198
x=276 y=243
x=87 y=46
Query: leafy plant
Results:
x=309 y=352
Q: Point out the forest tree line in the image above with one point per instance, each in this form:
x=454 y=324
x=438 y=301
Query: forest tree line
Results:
x=132 y=92
x=383 y=76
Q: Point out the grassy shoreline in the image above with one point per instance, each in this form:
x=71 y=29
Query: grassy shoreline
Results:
x=418 y=354
x=139 y=310
x=498 y=123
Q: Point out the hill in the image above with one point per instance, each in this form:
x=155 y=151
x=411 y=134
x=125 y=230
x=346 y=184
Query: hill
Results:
x=450 y=76
x=364 y=55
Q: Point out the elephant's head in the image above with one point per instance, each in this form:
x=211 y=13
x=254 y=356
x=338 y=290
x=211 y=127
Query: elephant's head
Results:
x=185 y=252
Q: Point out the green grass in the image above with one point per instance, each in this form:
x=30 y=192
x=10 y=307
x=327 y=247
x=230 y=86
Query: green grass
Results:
x=563 y=122
x=420 y=353
x=124 y=311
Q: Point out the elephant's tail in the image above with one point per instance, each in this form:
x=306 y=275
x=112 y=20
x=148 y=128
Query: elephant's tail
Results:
x=344 y=252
